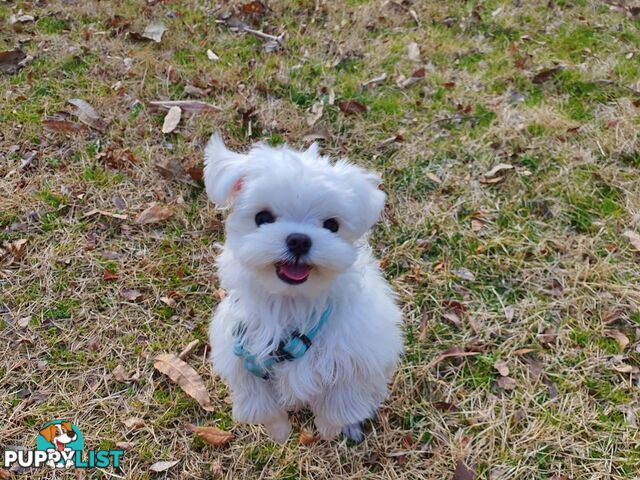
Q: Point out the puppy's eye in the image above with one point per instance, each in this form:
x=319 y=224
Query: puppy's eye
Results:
x=331 y=224
x=265 y=216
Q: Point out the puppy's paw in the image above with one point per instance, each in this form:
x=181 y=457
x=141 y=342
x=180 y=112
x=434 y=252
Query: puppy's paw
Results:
x=327 y=431
x=279 y=430
x=353 y=432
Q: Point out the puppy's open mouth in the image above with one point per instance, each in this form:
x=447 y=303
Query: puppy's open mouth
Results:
x=293 y=273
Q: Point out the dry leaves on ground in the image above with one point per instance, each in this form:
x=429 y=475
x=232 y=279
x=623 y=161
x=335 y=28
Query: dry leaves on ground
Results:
x=619 y=337
x=634 y=239
x=163 y=465
x=172 y=119
x=155 y=214
x=211 y=435
x=462 y=472
x=87 y=114
x=451 y=353
x=351 y=107
x=12 y=61
x=307 y=438
x=185 y=376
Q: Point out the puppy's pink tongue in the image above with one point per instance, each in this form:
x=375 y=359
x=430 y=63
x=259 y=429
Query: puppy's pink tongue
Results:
x=295 y=271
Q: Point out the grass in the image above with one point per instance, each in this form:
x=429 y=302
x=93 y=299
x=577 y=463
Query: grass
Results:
x=543 y=247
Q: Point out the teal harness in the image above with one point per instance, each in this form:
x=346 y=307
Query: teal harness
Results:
x=295 y=347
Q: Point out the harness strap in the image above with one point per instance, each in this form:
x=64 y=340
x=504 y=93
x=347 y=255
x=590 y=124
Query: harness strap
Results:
x=295 y=347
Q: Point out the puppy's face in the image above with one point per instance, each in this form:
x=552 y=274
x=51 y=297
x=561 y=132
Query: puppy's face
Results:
x=295 y=217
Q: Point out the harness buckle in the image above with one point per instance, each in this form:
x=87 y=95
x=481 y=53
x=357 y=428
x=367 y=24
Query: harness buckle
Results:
x=281 y=354
x=303 y=338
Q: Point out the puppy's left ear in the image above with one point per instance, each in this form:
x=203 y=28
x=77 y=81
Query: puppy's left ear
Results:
x=223 y=171
x=368 y=200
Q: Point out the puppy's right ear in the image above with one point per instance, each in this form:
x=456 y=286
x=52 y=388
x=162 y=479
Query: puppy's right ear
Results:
x=223 y=171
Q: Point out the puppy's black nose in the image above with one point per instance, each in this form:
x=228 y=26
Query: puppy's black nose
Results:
x=298 y=243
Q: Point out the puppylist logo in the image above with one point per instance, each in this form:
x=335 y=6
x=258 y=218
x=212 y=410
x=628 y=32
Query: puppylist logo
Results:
x=60 y=444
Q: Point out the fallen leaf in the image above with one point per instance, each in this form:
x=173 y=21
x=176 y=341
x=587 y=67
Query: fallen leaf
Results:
x=120 y=374
x=216 y=470
x=168 y=301
x=491 y=181
x=523 y=351
x=87 y=114
x=451 y=353
x=109 y=275
x=390 y=140
x=634 y=239
x=454 y=311
x=163 y=465
x=172 y=169
x=612 y=315
x=307 y=438
x=476 y=225
x=21 y=19
x=255 y=8
x=506 y=383
x=535 y=369
x=16 y=248
x=624 y=368
x=462 y=472
x=211 y=435
x=172 y=119
x=351 y=107
x=196 y=173
x=498 y=168
x=375 y=80
x=433 y=177
x=315 y=113
x=11 y=61
x=24 y=322
x=502 y=368
x=185 y=376
x=464 y=274
x=546 y=74
x=63 y=126
x=619 y=337
x=5 y=474
x=195 y=92
x=134 y=423
x=188 y=107
x=549 y=336
x=124 y=445
x=555 y=288
x=413 y=52
x=212 y=56
x=189 y=349
x=96 y=211
x=445 y=406
x=414 y=78
x=509 y=313
x=154 y=31
x=117 y=158
x=28 y=159
x=154 y=214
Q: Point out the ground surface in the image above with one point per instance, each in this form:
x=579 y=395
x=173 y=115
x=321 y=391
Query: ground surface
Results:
x=526 y=271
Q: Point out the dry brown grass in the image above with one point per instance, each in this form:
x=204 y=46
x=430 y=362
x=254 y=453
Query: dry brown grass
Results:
x=538 y=260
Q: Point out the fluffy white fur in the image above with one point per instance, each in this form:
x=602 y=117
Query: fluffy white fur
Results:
x=344 y=376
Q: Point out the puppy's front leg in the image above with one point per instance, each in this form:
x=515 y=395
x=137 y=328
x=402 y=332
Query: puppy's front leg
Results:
x=254 y=402
x=342 y=409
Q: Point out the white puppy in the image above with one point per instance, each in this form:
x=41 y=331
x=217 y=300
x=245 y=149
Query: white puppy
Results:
x=308 y=319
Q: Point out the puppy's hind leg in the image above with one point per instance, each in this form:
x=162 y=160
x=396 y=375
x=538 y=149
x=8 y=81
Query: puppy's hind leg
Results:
x=343 y=409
